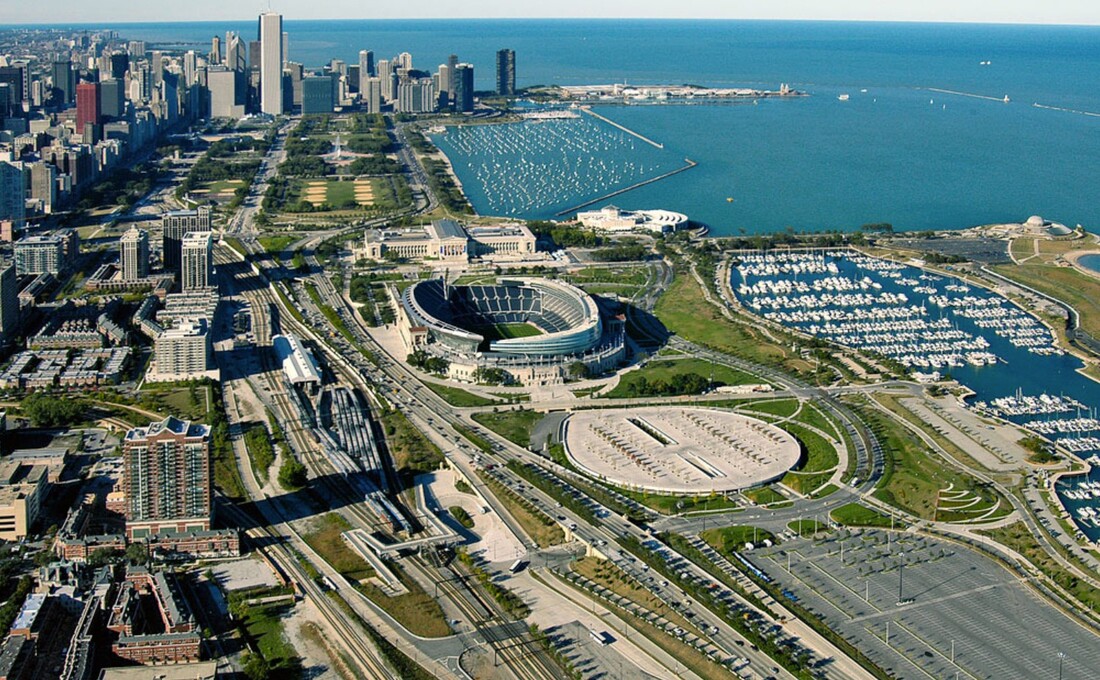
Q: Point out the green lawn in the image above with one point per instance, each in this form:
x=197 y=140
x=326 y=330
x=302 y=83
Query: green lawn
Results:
x=730 y=539
x=684 y=311
x=326 y=538
x=263 y=625
x=913 y=475
x=506 y=331
x=515 y=426
x=456 y=396
x=764 y=496
x=856 y=515
x=276 y=244
x=668 y=371
x=1064 y=283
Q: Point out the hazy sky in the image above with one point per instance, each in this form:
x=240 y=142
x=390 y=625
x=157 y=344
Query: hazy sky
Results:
x=116 y=11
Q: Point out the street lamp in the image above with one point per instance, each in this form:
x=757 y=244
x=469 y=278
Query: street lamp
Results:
x=1061 y=659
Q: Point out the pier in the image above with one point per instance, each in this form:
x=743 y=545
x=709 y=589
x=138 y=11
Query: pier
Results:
x=690 y=164
x=1065 y=110
x=625 y=129
x=969 y=94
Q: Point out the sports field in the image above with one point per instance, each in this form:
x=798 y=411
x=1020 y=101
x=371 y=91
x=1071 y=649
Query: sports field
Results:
x=506 y=331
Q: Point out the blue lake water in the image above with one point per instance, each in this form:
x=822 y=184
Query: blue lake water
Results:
x=1090 y=262
x=885 y=156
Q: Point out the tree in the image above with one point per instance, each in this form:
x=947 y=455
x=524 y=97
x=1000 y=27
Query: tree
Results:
x=578 y=371
x=256 y=667
x=50 y=411
x=292 y=474
x=137 y=553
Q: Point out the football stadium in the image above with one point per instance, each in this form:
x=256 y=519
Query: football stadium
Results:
x=534 y=329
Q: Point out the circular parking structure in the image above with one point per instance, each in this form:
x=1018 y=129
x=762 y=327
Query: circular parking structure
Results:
x=678 y=451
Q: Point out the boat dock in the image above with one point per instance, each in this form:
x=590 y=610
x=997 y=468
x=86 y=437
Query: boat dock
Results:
x=627 y=130
x=689 y=165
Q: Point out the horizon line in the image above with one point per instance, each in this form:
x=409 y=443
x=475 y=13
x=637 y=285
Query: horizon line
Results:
x=101 y=23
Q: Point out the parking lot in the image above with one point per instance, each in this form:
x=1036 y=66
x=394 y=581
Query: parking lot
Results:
x=949 y=611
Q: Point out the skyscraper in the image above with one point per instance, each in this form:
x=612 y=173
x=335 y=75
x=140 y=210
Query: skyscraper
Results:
x=385 y=75
x=317 y=94
x=174 y=226
x=452 y=64
x=13 y=199
x=366 y=65
x=64 y=82
x=167 y=477
x=87 y=106
x=196 y=260
x=112 y=99
x=224 y=98
x=463 y=79
x=506 y=72
x=134 y=254
x=444 y=85
x=271 y=63
x=216 y=50
x=372 y=95
x=9 y=300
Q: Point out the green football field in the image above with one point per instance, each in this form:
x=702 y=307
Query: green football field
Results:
x=505 y=331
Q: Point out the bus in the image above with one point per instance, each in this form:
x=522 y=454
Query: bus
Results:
x=517 y=566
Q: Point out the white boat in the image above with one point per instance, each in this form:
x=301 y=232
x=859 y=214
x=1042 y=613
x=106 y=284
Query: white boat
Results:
x=844 y=97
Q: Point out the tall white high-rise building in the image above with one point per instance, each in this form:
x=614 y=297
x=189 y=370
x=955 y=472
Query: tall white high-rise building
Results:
x=134 y=254
x=196 y=260
x=385 y=74
x=271 y=63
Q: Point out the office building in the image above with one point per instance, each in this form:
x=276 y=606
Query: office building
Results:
x=9 y=300
x=452 y=64
x=190 y=68
x=222 y=83
x=506 y=72
x=16 y=75
x=444 y=77
x=166 y=477
x=13 y=197
x=22 y=490
x=40 y=254
x=385 y=75
x=87 y=106
x=112 y=99
x=120 y=64
x=196 y=260
x=183 y=350
x=463 y=80
x=64 y=83
x=215 y=50
x=372 y=95
x=134 y=254
x=416 y=96
x=318 y=94
x=366 y=67
x=271 y=63
x=43 y=186
x=174 y=225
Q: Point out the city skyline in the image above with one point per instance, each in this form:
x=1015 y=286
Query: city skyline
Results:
x=1074 y=12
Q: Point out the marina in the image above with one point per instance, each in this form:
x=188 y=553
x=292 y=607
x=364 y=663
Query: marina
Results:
x=929 y=321
x=536 y=168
